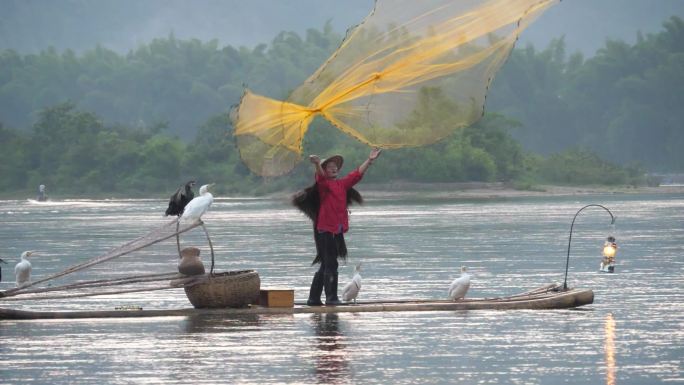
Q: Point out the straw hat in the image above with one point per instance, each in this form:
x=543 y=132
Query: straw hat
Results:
x=338 y=159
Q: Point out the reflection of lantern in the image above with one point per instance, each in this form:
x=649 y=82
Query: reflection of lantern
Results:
x=609 y=250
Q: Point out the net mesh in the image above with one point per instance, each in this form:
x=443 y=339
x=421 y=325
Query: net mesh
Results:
x=391 y=80
x=132 y=283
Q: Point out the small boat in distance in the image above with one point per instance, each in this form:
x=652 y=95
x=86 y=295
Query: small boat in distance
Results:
x=42 y=194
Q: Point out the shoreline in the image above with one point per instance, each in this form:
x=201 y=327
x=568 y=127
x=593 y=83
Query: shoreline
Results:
x=456 y=190
x=499 y=190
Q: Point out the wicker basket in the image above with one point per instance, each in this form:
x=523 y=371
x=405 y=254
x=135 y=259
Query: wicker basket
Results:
x=229 y=289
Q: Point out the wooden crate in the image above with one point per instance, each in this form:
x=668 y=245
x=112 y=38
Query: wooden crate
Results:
x=276 y=297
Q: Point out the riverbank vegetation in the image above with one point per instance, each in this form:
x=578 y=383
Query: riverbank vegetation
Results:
x=75 y=153
x=142 y=123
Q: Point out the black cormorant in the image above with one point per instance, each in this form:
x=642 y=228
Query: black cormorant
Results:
x=180 y=199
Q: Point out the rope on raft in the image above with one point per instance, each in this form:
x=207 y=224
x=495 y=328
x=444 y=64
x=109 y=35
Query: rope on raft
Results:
x=62 y=296
x=168 y=230
x=107 y=282
x=182 y=281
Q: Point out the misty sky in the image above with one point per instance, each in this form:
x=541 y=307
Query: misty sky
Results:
x=32 y=25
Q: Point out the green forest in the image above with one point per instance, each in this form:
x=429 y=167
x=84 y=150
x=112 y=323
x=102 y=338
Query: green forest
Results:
x=144 y=122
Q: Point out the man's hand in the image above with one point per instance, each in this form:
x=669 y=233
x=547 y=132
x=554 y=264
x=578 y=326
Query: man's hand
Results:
x=374 y=154
x=315 y=159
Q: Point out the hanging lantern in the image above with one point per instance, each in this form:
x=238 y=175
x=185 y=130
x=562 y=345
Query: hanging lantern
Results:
x=609 y=250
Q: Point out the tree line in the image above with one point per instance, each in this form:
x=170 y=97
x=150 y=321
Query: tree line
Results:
x=623 y=103
x=75 y=153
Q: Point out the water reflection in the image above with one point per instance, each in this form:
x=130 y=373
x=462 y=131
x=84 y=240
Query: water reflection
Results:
x=609 y=328
x=332 y=366
x=412 y=252
x=219 y=323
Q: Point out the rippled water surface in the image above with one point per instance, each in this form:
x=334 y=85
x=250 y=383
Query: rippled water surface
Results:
x=410 y=248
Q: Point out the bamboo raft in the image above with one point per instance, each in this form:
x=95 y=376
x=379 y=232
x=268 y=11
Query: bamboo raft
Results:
x=236 y=293
x=547 y=297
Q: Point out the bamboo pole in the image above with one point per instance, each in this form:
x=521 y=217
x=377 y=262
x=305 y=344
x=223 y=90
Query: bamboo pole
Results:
x=556 y=300
x=181 y=281
x=106 y=282
x=94 y=294
x=114 y=253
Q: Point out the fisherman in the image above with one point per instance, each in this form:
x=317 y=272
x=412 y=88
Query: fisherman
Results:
x=331 y=197
x=42 y=194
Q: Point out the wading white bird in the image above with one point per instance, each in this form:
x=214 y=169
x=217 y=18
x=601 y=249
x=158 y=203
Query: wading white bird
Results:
x=198 y=205
x=22 y=270
x=351 y=290
x=459 y=287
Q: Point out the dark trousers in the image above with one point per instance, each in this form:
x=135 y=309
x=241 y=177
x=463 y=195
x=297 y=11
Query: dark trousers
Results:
x=329 y=247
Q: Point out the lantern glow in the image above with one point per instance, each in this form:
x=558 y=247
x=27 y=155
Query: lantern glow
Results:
x=609 y=250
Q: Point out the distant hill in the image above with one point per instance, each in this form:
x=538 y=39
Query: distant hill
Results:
x=32 y=25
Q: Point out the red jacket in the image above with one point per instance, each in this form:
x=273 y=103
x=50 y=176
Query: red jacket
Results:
x=333 y=214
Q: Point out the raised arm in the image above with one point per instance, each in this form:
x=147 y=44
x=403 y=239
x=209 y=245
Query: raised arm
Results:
x=316 y=160
x=374 y=154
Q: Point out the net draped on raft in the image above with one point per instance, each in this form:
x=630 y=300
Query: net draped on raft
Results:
x=103 y=285
x=409 y=75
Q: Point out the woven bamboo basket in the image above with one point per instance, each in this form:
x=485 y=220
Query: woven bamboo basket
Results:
x=229 y=289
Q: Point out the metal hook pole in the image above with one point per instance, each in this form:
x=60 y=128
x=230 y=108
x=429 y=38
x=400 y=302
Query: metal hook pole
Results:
x=211 y=247
x=178 y=238
x=567 y=259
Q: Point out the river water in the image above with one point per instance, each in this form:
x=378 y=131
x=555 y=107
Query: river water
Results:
x=409 y=247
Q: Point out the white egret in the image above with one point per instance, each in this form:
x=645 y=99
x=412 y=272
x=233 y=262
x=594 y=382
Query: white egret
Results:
x=198 y=205
x=351 y=290
x=459 y=287
x=22 y=270
x=180 y=199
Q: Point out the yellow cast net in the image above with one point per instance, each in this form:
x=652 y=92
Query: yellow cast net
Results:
x=382 y=84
